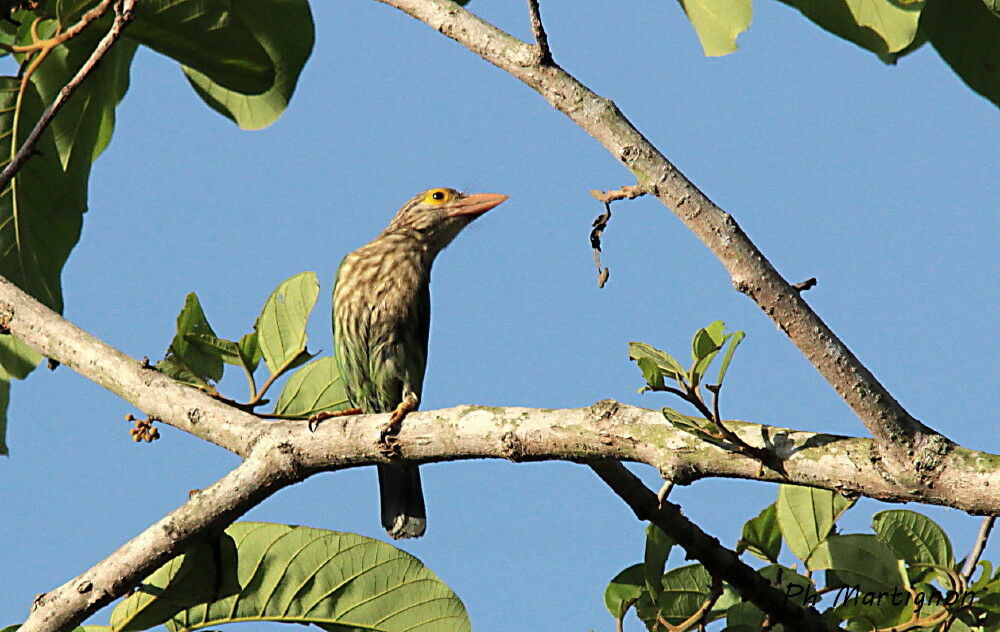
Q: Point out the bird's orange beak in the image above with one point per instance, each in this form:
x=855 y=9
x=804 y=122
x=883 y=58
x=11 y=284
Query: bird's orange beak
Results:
x=475 y=204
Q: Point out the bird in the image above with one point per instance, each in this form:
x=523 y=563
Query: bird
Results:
x=381 y=321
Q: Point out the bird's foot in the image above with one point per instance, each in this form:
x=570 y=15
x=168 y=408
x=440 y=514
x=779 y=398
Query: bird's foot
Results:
x=318 y=417
x=388 y=442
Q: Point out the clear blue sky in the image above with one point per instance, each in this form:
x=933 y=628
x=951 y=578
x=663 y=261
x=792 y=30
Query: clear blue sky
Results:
x=880 y=181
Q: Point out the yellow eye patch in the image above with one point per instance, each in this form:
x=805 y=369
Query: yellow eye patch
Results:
x=438 y=196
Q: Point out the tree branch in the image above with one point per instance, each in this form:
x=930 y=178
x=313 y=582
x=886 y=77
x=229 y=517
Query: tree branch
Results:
x=965 y=479
x=207 y=513
x=911 y=449
x=719 y=561
x=124 y=13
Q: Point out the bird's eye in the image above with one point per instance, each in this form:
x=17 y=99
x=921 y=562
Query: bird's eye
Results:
x=437 y=196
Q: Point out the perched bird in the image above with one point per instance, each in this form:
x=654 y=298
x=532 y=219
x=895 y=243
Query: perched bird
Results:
x=381 y=317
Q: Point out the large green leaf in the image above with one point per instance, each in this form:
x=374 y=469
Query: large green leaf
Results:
x=209 y=36
x=858 y=560
x=83 y=127
x=285 y=30
x=718 y=23
x=684 y=591
x=658 y=545
x=17 y=358
x=913 y=537
x=966 y=33
x=316 y=386
x=41 y=210
x=339 y=581
x=806 y=517
x=281 y=327
x=887 y=28
x=624 y=590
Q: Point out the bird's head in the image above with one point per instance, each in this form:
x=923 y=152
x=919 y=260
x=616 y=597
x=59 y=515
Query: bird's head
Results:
x=436 y=216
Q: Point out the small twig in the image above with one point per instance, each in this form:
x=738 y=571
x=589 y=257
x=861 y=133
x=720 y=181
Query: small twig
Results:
x=808 y=284
x=543 y=54
x=628 y=192
x=124 y=13
x=600 y=223
x=720 y=562
x=969 y=567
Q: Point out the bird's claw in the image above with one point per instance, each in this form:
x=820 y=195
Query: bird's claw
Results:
x=320 y=416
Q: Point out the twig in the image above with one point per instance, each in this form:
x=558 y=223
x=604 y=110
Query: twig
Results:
x=124 y=13
x=718 y=560
x=904 y=444
x=600 y=223
x=628 y=192
x=802 y=286
x=969 y=567
x=543 y=56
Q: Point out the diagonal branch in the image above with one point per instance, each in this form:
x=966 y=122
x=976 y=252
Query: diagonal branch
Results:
x=718 y=560
x=124 y=13
x=208 y=511
x=910 y=448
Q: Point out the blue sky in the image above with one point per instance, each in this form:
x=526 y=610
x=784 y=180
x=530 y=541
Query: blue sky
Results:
x=880 y=181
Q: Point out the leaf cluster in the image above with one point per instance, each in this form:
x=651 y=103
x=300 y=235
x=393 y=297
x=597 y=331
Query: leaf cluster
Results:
x=197 y=357
x=902 y=576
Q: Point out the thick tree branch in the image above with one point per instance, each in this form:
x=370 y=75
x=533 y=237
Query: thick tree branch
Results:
x=910 y=448
x=279 y=453
x=124 y=13
x=719 y=561
x=965 y=479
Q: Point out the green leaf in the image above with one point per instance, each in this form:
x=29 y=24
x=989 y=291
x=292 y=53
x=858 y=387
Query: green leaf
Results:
x=83 y=127
x=17 y=358
x=761 y=535
x=707 y=341
x=316 y=386
x=203 y=361
x=744 y=617
x=913 y=537
x=806 y=516
x=338 y=581
x=250 y=350
x=658 y=545
x=624 y=590
x=797 y=588
x=858 y=559
x=41 y=210
x=227 y=350
x=281 y=327
x=4 y=403
x=966 y=33
x=285 y=30
x=207 y=36
x=734 y=340
x=207 y=572
x=650 y=372
x=668 y=365
x=887 y=28
x=684 y=590
x=718 y=23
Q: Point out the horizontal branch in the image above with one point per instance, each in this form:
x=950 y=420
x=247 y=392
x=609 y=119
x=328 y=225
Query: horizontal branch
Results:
x=901 y=440
x=964 y=479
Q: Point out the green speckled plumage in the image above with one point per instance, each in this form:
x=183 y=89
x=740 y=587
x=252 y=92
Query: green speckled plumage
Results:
x=381 y=320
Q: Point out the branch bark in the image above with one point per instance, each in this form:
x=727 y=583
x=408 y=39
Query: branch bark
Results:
x=909 y=448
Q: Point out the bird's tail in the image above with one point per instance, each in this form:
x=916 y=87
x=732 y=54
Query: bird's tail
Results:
x=403 y=513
